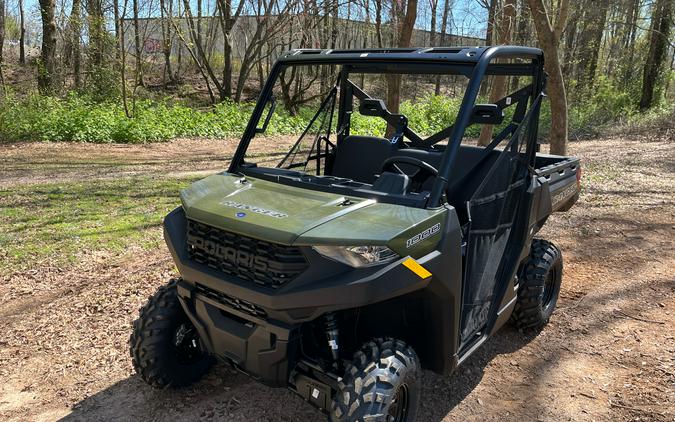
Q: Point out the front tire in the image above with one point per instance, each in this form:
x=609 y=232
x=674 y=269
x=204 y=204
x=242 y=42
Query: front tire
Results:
x=164 y=346
x=540 y=281
x=381 y=384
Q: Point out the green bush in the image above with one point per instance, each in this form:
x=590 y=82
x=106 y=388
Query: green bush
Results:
x=81 y=118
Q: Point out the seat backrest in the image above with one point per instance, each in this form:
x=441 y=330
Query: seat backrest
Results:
x=360 y=158
x=467 y=158
x=471 y=167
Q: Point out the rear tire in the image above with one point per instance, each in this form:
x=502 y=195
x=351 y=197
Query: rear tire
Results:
x=540 y=280
x=164 y=346
x=381 y=384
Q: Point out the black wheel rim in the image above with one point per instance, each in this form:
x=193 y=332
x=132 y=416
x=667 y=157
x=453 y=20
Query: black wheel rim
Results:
x=186 y=344
x=549 y=287
x=398 y=410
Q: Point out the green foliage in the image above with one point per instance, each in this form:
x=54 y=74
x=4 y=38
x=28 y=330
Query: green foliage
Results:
x=103 y=84
x=608 y=104
x=82 y=118
x=425 y=116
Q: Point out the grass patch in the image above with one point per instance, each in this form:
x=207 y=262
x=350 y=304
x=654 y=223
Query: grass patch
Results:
x=62 y=222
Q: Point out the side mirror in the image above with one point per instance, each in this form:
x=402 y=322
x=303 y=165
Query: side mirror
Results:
x=270 y=112
x=489 y=114
x=372 y=107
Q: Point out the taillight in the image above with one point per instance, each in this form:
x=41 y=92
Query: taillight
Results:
x=579 y=178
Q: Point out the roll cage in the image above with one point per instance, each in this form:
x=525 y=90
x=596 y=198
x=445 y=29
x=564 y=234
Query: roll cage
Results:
x=473 y=62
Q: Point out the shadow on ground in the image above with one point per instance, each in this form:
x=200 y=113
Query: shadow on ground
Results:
x=225 y=394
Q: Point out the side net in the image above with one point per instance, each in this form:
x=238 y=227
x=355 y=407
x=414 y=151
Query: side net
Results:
x=492 y=211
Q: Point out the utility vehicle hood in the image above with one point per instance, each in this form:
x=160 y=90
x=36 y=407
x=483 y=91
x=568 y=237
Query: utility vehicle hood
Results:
x=290 y=215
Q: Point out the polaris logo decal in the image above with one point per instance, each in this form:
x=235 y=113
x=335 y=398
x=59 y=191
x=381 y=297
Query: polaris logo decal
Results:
x=263 y=211
x=424 y=235
x=561 y=196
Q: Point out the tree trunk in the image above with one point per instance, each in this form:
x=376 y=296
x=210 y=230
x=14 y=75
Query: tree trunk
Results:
x=168 y=75
x=505 y=26
x=444 y=28
x=227 y=68
x=432 y=37
x=364 y=34
x=2 y=27
x=335 y=14
x=394 y=81
x=549 y=39
x=590 y=40
x=570 y=58
x=76 y=31
x=122 y=52
x=660 y=30
x=227 y=48
x=199 y=22
x=116 y=16
x=22 y=34
x=47 y=66
x=631 y=18
x=138 y=47
x=492 y=10
x=97 y=32
x=522 y=35
x=227 y=21
x=378 y=22
x=489 y=37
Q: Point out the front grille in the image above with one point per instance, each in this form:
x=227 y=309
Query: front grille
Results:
x=264 y=263
x=232 y=302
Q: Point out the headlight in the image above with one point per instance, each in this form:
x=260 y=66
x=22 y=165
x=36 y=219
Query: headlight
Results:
x=358 y=256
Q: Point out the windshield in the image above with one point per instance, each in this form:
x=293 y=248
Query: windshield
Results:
x=366 y=130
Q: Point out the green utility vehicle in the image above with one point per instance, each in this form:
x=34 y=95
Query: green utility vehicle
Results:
x=340 y=264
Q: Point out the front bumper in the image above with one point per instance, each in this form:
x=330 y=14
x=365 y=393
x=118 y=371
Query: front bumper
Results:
x=260 y=348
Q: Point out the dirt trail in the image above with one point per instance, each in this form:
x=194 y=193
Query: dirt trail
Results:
x=608 y=353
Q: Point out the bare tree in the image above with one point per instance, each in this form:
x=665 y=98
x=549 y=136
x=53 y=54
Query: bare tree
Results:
x=433 y=4
x=167 y=74
x=74 y=42
x=2 y=27
x=2 y=40
x=595 y=16
x=504 y=25
x=47 y=65
x=227 y=21
x=404 y=30
x=447 y=5
x=97 y=32
x=629 y=39
x=122 y=52
x=662 y=21
x=378 y=23
x=22 y=34
x=271 y=21
x=138 y=46
x=549 y=30
x=492 y=11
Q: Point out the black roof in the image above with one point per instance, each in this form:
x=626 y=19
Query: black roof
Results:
x=467 y=55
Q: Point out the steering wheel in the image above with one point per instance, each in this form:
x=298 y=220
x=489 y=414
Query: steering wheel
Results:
x=424 y=169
